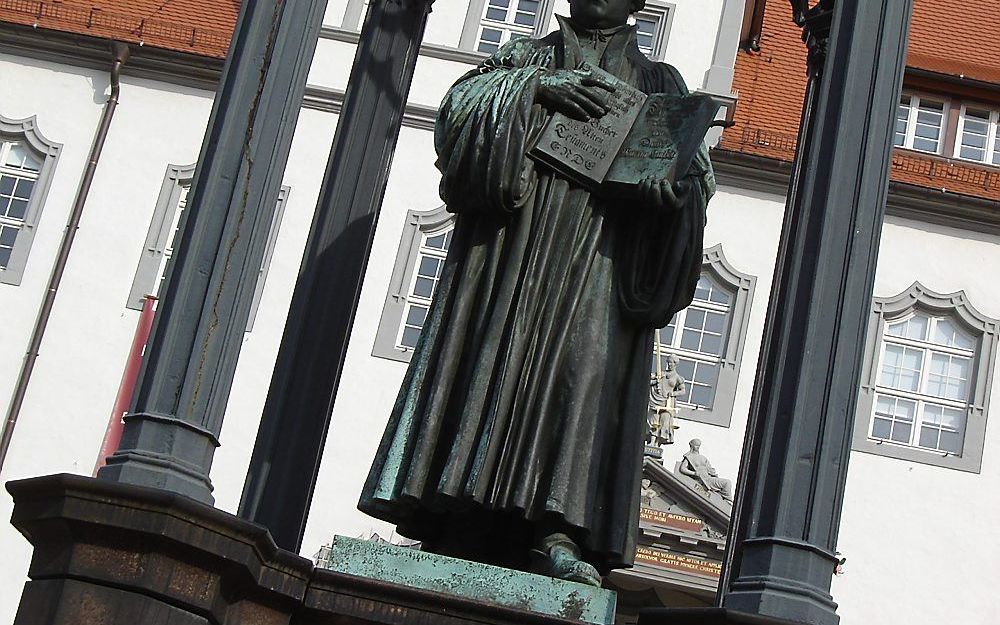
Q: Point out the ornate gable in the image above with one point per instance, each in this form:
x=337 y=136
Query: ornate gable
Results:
x=682 y=541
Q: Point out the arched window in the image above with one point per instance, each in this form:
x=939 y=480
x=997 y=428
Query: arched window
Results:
x=432 y=250
x=707 y=337
x=27 y=161
x=925 y=386
x=415 y=277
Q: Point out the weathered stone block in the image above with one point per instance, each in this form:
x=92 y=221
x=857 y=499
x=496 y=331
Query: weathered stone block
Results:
x=471 y=580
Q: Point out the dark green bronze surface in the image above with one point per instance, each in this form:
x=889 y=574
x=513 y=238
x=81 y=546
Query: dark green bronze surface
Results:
x=666 y=136
x=655 y=136
x=523 y=412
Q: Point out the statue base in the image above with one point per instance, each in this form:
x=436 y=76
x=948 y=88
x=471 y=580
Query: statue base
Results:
x=464 y=580
x=653 y=451
x=116 y=554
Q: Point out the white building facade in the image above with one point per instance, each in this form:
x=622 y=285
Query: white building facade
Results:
x=924 y=484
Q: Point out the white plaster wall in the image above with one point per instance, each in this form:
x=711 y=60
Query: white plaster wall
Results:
x=77 y=375
x=692 y=38
x=303 y=175
x=444 y=26
x=432 y=77
x=331 y=64
x=334 y=15
x=922 y=542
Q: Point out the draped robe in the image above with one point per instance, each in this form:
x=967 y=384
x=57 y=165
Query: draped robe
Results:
x=524 y=406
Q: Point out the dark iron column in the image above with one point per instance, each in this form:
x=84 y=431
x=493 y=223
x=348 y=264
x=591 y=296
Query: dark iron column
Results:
x=802 y=413
x=296 y=417
x=172 y=431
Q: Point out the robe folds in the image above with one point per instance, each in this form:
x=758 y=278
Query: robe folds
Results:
x=524 y=405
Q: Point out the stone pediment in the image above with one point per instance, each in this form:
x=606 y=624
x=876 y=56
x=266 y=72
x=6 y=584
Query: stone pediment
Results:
x=681 y=543
x=672 y=502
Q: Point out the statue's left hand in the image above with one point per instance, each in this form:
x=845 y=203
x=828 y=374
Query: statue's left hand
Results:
x=663 y=195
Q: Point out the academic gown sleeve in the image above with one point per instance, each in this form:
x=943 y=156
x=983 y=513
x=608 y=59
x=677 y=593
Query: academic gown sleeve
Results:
x=482 y=131
x=659 y=267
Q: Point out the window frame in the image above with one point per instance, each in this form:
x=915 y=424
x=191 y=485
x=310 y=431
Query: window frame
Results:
x=992 y=131
x=147 y=274
x=474 y=17
x=920 y=397
x=26 y=130
x=956 y=308
x=911 y=121
x=418 y=225
x=663 y=12
x=741 y=287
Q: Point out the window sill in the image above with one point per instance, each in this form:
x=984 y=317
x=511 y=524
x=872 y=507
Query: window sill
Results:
x=889 y=449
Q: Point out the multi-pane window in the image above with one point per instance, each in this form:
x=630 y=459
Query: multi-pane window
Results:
x=504 y=20
x=645 y=33
x=697 y=336
x=978 y=138
x=926 y=381
x=919 y=124
x=423 y=284
x=19 y=171
x=923 y=387
x=651 y=27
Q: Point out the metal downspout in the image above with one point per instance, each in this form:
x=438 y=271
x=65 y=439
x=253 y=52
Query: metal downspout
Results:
x=119 y=54
x=756 y=26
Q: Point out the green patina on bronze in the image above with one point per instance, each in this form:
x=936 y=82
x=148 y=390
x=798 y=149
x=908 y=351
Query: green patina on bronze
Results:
x=471 y=580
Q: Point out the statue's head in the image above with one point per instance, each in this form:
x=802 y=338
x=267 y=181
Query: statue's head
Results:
x=671 y=361
x=646 y=483
x=603 y=13
x=695 y=444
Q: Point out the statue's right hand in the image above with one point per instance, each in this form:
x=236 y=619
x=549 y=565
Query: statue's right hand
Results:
x=578 y=94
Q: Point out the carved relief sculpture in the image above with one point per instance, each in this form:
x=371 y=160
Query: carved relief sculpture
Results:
x=697 y=467
x=665 y=387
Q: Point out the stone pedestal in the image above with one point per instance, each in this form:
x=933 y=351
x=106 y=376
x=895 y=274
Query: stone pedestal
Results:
x=114 y=554
x=704 y=616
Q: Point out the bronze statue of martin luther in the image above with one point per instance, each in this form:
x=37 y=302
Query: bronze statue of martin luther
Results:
x=517 y=435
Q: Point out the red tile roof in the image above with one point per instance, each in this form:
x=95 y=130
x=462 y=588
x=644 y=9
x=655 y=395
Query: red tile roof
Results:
x=946 y=37
x=957 y=37
x=201 y=27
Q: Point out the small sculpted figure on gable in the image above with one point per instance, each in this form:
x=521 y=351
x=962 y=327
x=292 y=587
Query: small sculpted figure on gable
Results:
x=698 y=468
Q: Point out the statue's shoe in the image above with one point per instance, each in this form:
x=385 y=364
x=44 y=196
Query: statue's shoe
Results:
x=566 y=565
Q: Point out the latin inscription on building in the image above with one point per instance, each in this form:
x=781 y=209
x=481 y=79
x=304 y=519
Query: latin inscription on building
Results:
x=671 y=520
x=678 y=562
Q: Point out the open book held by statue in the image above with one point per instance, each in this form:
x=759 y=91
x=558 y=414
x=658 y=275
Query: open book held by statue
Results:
x=641 y=136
